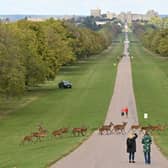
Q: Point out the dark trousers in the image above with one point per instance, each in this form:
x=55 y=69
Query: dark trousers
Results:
x=131 y=156
x=147 y=157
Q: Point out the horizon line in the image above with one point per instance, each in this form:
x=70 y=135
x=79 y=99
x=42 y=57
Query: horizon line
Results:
x=66 y=14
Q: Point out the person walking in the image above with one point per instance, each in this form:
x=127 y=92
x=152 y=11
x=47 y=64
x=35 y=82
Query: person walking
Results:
x=126 y=111
x=147 y=141
x=122 y=111
x=131 y=146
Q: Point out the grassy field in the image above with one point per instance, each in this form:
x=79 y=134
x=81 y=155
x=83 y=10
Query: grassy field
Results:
x=85 y=104
x=150 y=77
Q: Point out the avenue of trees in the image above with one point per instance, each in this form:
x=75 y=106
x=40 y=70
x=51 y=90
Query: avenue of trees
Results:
x=161 y=23
x=153 y=37
x=33 y=52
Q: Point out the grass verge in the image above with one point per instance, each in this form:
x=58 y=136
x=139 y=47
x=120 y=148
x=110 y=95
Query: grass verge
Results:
x=150 y=78
x=85 y=104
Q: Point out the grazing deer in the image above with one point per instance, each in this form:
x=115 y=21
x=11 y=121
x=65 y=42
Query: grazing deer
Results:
x=57 y=132
x=78 y=131
x=41 y=129
x=39 y=135
x=157 y=128
x=28 y=138
x=64 y=130
x=106 y=128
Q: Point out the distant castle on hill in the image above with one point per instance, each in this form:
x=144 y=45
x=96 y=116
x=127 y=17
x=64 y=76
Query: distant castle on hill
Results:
x=125 y=17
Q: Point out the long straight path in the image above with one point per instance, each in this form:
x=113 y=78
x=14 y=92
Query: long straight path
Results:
x=109 y=151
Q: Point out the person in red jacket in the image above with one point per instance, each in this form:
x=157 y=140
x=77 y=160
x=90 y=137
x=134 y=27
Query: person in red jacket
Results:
x=126 y=111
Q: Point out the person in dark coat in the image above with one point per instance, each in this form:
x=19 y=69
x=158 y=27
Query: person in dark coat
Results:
x=131 y=146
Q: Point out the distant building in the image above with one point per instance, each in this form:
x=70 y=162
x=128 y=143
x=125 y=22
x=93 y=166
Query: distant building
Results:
x=110 y=15
x=125 y=17
x=35 y=19
x=152 y=13
x=95 y=12
x=39 y=19
x=137 y=17
x=122 y=17
x=129 y=17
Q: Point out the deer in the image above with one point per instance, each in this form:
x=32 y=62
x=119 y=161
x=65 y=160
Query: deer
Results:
x=28 y=138
x=41 y=129
x=120 y=127
x=57 y=133
x=135 y=127
x=39 y=135
x=145 y=128
x=79 y=131
x=64 y=130
x=106 y=128
x=157 y=128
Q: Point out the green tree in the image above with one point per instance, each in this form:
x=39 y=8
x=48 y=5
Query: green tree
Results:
x=12 y=81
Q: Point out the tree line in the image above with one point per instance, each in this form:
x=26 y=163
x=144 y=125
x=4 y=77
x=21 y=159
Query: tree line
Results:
x=33 y=52
x=153 y=37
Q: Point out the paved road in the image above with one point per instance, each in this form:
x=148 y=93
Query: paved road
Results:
x=109 y=151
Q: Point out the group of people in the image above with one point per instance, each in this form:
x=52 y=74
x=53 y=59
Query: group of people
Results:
x=131 y=147
x=131 y=142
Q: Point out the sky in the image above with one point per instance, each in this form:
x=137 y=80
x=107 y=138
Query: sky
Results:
x=80 y=7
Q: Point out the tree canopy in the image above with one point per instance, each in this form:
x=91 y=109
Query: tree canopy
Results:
x=33 y=52
x=153 y=38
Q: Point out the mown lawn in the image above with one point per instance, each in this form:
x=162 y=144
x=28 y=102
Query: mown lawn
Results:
x=150 y=78
x=85 y=104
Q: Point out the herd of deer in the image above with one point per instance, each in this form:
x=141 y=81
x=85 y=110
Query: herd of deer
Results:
x=108 y=129
x=120 y=128
x=42 y=133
